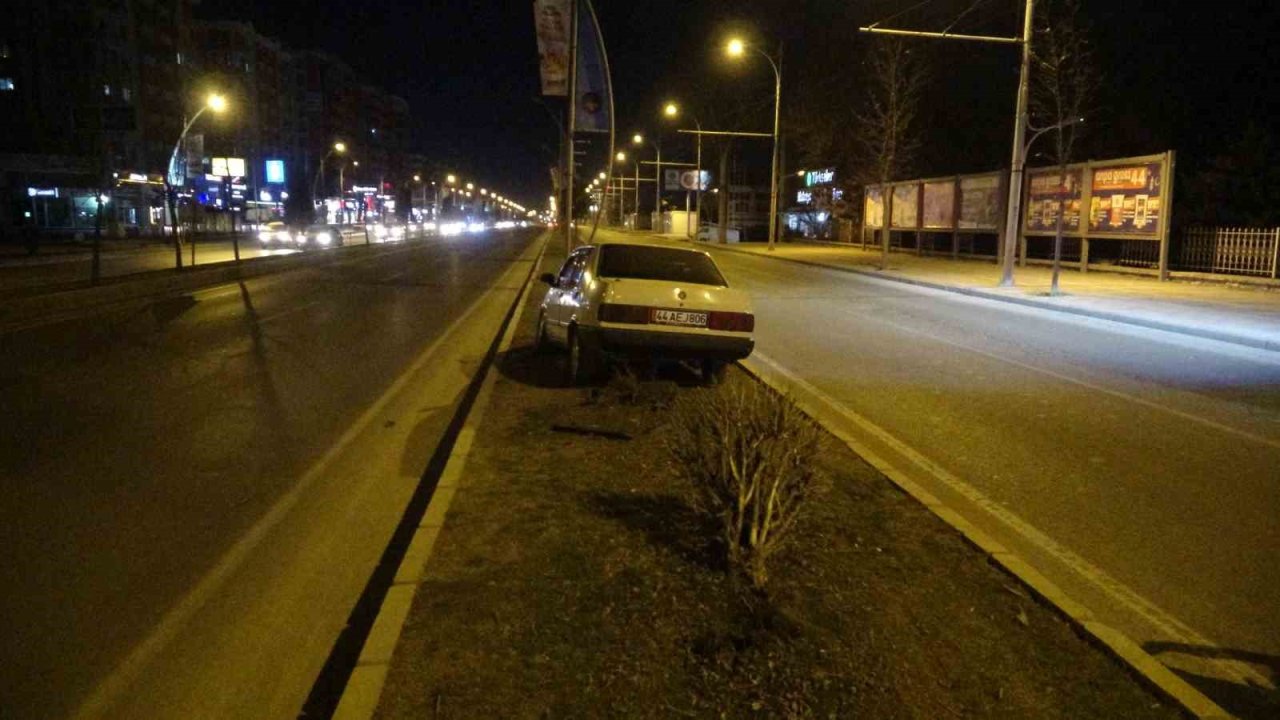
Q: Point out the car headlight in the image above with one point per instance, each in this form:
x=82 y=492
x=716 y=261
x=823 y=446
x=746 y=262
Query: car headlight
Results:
x=324 y=238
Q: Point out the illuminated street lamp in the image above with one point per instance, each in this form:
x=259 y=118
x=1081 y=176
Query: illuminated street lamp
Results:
x=218 y=104
x=737 y=48
x=471 y=186
x=451 y=179
x=338 y=147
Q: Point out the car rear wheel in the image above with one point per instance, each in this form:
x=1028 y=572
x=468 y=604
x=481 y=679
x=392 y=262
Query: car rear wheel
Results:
x=713 y=372
x=541 y=343
x=583 y=362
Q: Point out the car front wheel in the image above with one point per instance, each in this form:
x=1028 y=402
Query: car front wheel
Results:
x=541 y=343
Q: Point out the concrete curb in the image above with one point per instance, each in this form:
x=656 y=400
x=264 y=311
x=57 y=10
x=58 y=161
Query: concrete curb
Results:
x=1120 y=646
x=364 y=688
x=36 y=308
x=1205 y=333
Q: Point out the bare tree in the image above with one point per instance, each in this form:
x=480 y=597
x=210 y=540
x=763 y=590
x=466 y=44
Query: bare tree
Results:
x=885 y=126
x=1064 y=83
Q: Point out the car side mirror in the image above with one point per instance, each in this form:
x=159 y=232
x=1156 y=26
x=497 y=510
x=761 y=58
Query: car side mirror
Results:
x=548 y=278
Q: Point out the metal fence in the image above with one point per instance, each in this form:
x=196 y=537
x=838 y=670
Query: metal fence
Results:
x=1232 y=251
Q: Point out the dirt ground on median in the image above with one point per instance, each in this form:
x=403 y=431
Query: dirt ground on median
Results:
x=574 y=579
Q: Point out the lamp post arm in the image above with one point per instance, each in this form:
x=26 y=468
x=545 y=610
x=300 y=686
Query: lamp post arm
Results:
x=173 y=156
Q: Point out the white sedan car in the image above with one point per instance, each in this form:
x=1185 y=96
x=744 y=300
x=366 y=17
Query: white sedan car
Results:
x=647 y=301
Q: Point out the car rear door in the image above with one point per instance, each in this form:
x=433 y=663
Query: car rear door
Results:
x=564 y=298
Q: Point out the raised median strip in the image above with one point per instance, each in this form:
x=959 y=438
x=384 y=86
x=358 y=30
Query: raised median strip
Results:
x=359 y=698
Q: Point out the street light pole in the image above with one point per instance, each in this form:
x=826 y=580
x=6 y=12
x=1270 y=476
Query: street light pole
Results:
x=736 y=48
x=1019 y=155
x=214 y=102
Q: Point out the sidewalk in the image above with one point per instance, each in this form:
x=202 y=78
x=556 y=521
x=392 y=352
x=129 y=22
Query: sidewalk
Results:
x=1239 y=314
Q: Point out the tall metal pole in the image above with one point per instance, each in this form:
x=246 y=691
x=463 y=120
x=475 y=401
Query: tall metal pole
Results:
x=657 y=185
x=1012 y=222
x=572 y=97
x=697 y=184
x=773 y=181
x=637 y=223
x=172 y=190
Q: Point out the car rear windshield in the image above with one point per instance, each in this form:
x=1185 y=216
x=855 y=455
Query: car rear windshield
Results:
x=645 y=262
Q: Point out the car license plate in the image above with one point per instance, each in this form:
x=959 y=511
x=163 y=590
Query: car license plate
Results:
x=680 y=317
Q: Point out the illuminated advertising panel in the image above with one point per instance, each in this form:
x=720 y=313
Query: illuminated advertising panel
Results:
x=1127 y=200
x=1050 y=192
x=873 y=212
x=275 y=171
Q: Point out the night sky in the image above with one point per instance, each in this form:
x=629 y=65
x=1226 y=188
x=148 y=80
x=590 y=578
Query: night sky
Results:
x=1178 y=75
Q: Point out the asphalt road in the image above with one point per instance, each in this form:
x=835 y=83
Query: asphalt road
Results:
x=1140 y=470
x=21 y=272
x=197 y=489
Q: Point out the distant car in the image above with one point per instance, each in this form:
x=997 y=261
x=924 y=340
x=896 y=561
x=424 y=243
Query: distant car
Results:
x=319 y=237
x=385 y=232
x=276 y=234
x=651 y=301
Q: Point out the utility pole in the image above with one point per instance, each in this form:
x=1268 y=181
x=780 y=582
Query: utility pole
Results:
x=1010 y=249
x=570 y=149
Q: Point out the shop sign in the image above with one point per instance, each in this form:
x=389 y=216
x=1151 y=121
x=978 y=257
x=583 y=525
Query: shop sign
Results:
x=825 y=176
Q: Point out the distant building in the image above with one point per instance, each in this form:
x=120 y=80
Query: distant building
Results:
x=82 y=119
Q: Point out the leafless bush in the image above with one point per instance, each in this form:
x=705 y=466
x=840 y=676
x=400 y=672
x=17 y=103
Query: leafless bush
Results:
x=750 y=453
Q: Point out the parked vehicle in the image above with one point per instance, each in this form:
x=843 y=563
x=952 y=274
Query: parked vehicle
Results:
x=644 y=301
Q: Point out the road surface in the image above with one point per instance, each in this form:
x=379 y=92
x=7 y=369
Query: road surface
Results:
x=22 y=272
x=197 y=489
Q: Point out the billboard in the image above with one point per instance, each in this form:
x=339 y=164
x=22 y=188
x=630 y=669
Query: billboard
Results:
x=939 y=204
x=1050 y=192
x=1127 y=200
x=227 y=167
x=676 y=179
x=873 y=209
x=980 y=202
x=905 y=206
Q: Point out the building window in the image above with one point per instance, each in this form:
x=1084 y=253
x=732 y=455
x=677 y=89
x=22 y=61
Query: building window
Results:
x=106 y=90
x=6 y=84
x=4 y=51
x=179 y=58
x=126 y=94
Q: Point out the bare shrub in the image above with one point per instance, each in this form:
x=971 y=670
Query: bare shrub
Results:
x=750 y=453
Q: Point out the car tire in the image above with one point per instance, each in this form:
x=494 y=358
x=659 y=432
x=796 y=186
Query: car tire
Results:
x=713 y=372
x=582 y=363
x=541 y=343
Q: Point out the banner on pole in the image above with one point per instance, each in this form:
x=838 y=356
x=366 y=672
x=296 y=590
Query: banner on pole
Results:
x=552 y=19
x=593 y=97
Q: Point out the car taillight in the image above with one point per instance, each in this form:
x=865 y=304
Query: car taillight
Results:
x=630 y=314
x=731 y=321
